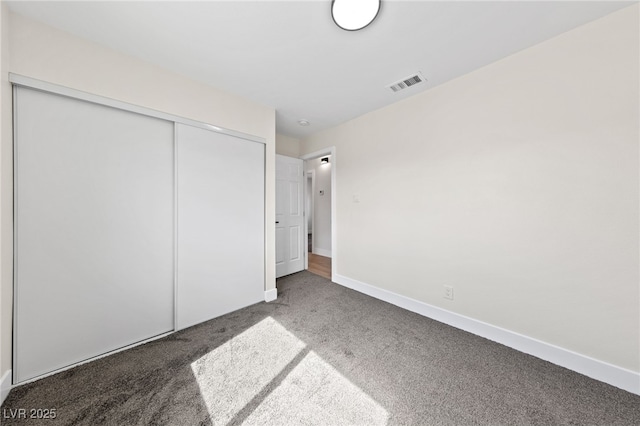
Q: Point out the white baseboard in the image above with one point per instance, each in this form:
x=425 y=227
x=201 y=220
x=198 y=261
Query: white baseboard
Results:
x=599 y=370
x=321 y=252
x=271 y=295
x=5 y=385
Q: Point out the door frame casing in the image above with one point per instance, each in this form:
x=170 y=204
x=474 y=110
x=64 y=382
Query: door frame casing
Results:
x=334 y=231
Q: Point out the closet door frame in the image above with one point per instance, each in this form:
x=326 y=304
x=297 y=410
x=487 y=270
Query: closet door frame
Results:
x=32 y=83
x=27 y=82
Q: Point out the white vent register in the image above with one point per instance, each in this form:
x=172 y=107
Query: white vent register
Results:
x=406 y=82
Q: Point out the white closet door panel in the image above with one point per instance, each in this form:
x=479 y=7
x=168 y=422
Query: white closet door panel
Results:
x=94 y=230
x=220 y=224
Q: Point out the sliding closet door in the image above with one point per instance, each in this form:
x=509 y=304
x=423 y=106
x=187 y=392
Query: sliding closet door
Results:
x=220 y=224
x=94 y=229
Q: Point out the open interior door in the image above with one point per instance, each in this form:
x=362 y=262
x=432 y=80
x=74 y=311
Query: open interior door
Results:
x=289 y=215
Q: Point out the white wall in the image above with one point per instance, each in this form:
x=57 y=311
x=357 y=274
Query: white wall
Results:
x=286 y=145
x=321 y=207
x=516 y=184
x=6 y=200
x=42 y=52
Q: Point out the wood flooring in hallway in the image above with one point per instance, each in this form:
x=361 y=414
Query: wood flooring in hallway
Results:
x=320 y=265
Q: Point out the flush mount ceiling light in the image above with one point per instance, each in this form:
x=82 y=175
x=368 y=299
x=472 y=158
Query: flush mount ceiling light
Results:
x=353 y=15
x=304 y=122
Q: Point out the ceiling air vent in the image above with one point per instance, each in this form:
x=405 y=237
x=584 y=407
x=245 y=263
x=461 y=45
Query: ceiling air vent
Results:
x=417 y=78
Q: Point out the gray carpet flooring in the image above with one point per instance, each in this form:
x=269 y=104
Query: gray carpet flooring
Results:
x=322 y=354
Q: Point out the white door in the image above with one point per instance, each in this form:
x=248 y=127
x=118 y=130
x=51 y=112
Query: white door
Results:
x=94 y=230
x=220 y=224
x=289 y=216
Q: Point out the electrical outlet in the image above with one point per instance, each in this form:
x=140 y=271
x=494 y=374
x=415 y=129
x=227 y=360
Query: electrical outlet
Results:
x=448 y=292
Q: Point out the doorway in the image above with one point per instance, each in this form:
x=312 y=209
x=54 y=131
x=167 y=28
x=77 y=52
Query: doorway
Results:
x=318 y=208
x=308 y=207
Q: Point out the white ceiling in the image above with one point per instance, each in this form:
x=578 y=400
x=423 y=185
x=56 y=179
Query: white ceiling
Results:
x=291 y=56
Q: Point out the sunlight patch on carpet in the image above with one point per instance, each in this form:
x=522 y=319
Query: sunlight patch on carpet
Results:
x=231 y=375
x=266 y=375
x=316 y=393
